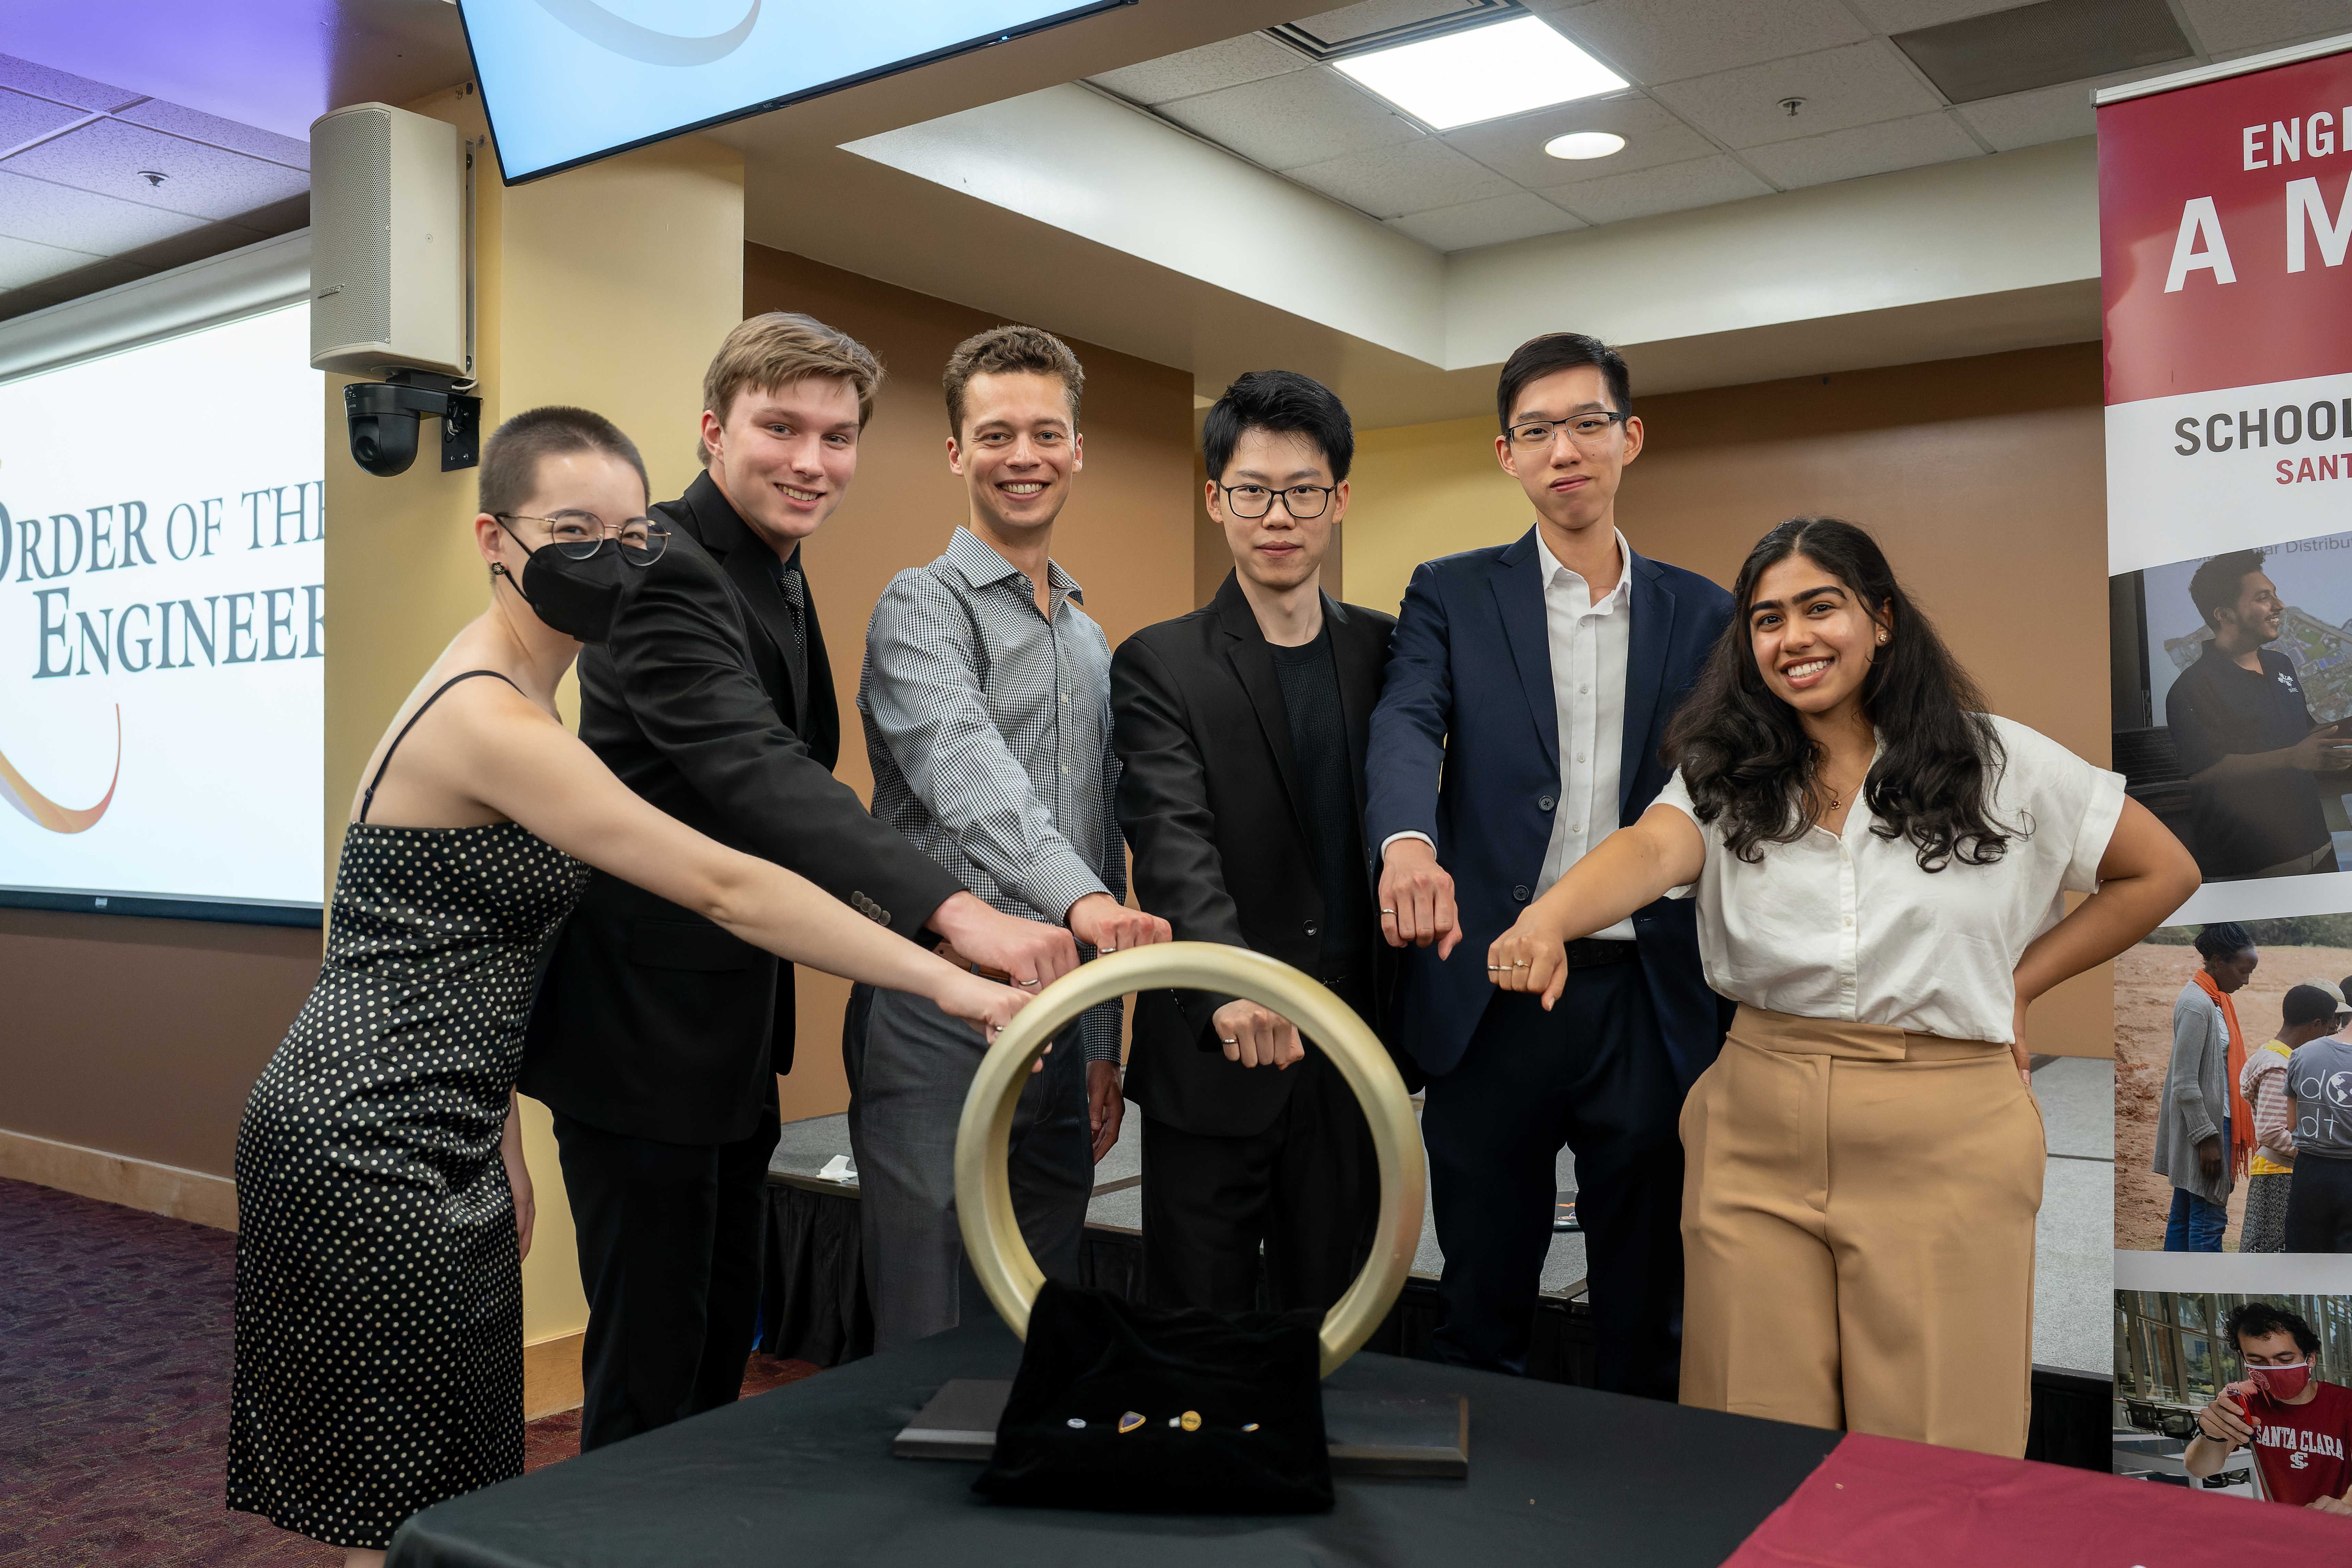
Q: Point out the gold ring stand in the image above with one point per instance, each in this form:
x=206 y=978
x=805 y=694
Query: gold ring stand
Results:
x=992 y=1238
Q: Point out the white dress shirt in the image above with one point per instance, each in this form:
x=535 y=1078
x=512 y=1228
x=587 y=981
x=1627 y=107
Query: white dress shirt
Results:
x=1847 y=926
x=1590 y=642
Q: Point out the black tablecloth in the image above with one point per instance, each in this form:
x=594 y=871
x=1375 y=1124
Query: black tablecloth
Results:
x=805 y=1475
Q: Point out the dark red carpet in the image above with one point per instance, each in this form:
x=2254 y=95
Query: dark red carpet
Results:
x=115 y=1349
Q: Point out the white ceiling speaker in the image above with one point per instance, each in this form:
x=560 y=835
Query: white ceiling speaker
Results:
x=387 y=252
x=1582 y=144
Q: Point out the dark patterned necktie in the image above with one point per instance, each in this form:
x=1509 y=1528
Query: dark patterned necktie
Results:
x=796 y=592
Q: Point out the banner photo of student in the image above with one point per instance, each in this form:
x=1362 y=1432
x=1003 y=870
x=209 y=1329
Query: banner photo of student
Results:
x=2245 y=1395
x=2225 y=221
x=2233 y=1093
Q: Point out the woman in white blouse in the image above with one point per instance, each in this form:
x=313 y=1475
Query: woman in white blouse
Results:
x=1879 y=866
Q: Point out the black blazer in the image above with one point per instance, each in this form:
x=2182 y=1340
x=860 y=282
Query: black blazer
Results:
x=650 y=1020
x=1212 y=800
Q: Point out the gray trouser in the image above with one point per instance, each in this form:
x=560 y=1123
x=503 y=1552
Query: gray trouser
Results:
x=909 y=1067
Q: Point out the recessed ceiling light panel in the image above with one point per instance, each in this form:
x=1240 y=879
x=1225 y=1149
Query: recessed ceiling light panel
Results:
x=1481 y=73
x=1581 y=144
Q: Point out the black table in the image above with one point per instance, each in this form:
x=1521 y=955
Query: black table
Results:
x=803 y=1474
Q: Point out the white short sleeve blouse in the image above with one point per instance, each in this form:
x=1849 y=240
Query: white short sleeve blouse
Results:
x=1847 y=925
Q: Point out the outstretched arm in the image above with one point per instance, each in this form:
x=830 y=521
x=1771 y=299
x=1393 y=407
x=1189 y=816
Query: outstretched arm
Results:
x=1403 y=763
x=517 y=761
x=1627 y=870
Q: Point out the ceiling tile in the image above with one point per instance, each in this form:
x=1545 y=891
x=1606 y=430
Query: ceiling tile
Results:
x=2049 y=114
x=1389 y=182
x=218 y=132
x=1902 y=15
x=1288 y=121
x=1494 y=221
x=1866 y=150
x=1515 y=147
x=1858 y=85
x=22 y=117
x=1700 y=183
x=1667 y=40
x=78 y=91
x=1375 y=16
x=2226 y=24
x=1250 y=57
x=62 y=216
x=107 y=157
x=23 y=262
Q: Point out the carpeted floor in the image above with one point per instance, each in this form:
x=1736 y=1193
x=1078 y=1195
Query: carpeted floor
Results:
x=115 y=1349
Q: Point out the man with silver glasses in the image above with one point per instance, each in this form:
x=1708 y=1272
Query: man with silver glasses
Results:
x=1529 y=690
x=658 y=1037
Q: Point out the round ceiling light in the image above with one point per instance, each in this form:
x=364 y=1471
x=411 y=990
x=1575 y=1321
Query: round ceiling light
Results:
x=1585 y=144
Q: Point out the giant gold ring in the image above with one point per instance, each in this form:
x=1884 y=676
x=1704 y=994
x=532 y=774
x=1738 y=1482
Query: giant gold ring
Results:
x=992 y=1236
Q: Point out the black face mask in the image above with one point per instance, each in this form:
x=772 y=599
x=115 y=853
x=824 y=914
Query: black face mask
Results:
x=578 y=597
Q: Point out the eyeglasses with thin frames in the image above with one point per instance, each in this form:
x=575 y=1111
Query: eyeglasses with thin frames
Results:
x=1588 y=429
x=579 y=534
x=1303 y=503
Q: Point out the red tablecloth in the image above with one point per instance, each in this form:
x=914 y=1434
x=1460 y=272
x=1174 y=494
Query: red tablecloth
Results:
x=1879 y=1503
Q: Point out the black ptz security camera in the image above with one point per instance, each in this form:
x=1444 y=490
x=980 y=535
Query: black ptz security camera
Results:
x=384 y=416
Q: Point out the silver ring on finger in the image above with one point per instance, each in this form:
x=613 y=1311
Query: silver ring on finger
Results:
x=1495 y=968
x=1229 y=1039
x=1387 y=911
x=1025 y=983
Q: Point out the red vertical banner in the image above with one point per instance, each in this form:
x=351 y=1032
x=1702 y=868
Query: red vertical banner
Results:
x=2225 y=233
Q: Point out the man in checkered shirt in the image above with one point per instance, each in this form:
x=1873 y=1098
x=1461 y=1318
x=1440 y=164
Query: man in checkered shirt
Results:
x=986 y=701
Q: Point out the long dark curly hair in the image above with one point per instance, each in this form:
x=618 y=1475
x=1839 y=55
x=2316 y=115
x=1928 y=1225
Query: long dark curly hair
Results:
x=1748 y=763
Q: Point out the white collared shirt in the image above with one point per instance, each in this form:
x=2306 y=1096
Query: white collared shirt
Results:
x=1589 y=643
x=1847 y=926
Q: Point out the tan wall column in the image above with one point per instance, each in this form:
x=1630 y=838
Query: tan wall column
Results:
x=606 y=287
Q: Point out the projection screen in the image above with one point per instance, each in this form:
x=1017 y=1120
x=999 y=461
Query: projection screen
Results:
x=162 y=627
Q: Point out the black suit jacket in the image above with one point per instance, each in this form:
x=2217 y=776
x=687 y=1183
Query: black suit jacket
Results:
x=1212 y=799
x=651 y=1021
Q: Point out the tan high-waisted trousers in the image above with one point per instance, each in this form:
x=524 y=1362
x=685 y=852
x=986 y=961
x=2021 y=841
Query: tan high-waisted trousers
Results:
x=1858 y=1211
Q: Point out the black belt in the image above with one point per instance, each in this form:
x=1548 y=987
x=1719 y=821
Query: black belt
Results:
x=1592 y=952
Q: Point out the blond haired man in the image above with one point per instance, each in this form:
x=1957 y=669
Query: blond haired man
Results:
x=657 y=1035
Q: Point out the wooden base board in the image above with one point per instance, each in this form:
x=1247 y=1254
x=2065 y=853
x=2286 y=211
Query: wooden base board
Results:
x=119 y=1179
x=551 y=1375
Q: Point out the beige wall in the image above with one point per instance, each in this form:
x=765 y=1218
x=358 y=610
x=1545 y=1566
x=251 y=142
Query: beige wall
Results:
x=1983 y=479
x=606 y=287
x=1126 y=536
x=139 y=1037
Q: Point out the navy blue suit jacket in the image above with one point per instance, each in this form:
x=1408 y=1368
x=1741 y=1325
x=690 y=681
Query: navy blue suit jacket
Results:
x=1465 y=747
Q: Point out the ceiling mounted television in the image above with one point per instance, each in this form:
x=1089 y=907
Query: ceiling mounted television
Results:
x=569 y=81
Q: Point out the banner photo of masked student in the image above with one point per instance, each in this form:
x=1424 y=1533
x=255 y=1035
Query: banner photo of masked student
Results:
x=2225 y=217
x=2233 y=1088
x=2244 y=1396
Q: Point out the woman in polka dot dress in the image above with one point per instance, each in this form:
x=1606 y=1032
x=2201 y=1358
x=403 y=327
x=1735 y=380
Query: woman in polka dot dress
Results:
x=384 y=1206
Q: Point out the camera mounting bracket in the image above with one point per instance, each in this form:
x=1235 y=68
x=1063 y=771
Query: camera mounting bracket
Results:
x=427 y=395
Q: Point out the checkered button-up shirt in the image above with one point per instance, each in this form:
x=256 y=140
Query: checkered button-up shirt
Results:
x=989 y=729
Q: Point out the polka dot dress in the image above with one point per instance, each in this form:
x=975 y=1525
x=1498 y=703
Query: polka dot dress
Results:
x=379 y=1290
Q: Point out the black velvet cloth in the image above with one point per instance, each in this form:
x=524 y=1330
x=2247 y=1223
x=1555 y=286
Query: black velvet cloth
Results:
x=1247 y=1385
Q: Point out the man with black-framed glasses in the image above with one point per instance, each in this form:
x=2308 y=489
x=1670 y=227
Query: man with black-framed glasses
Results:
x=1527 y=695
x=1241 y=731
